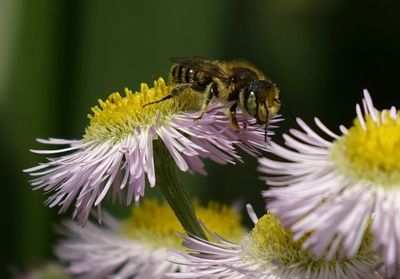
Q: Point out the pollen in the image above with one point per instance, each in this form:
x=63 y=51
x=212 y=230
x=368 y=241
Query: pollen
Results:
x=371 y=152
x=119 y=116
x=271 y=241
x=273 y=244
x=155 y=223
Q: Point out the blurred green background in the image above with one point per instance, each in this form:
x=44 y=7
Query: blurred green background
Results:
x=58 y=57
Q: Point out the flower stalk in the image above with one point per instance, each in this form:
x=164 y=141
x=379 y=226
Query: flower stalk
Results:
x=174 y=191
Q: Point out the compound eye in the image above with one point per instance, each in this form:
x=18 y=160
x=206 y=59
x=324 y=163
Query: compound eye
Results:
x=251 y=104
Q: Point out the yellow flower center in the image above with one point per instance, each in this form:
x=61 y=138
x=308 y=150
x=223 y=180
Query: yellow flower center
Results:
x=271 y=242
x=371 y=154
x=119 y=116
x=156 y=224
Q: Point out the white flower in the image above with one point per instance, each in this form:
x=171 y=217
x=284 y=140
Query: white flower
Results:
x=268 y=252
x=332 y=191
x=116 y=151
x=136 y=247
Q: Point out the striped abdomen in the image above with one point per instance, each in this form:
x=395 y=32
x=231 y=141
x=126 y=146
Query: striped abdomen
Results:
x=182 y=74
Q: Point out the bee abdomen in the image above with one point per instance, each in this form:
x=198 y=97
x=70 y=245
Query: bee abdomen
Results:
x=182 y=74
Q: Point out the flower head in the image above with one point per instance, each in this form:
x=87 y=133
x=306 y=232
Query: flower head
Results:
x=268 y=252
x=332 y=191
x=137 y=246
x=116 y=151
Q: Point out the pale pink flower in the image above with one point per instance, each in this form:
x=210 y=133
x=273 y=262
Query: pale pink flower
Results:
x=332 y=191
x=136 y=247
x=116 y=152
x=267 y=252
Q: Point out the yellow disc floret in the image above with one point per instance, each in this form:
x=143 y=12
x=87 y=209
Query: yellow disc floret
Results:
x=272 y=243
x=371 y=154
x=156 y=224
x=119 y=116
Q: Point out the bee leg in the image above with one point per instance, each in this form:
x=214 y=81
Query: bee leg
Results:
x=213 y=91
x=266 y=128
x=247 y=124
x=233 y=124
x=176 y=91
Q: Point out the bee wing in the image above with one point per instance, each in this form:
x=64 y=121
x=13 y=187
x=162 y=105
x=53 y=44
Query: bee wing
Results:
x=202 y=65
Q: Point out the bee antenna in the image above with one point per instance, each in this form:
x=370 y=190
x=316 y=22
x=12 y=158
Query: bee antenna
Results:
x=286 y=108
x=266 y=129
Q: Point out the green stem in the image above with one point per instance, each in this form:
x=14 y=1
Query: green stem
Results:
x=174 y=191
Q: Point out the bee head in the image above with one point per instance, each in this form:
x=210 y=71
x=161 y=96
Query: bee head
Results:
x=260 y=100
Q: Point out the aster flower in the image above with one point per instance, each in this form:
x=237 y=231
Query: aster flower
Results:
x=268 y=252
x=116 y=151
x=136 y=247
x=331 y=191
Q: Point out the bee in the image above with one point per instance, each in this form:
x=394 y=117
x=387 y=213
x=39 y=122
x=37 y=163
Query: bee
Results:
x=234 y=83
